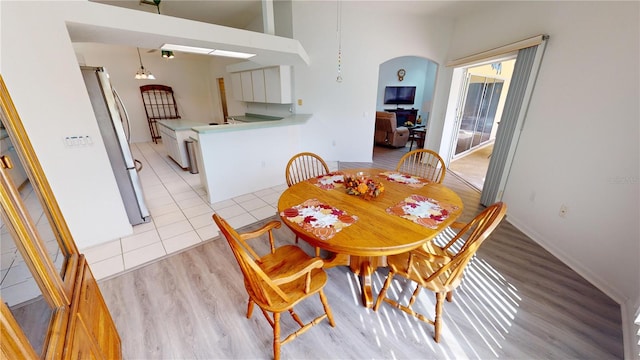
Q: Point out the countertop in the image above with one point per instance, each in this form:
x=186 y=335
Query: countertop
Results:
x=249 y=117
x=255 y=124
x=181 y=124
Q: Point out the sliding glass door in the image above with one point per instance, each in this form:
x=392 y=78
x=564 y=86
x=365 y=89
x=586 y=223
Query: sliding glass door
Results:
x=478 y=112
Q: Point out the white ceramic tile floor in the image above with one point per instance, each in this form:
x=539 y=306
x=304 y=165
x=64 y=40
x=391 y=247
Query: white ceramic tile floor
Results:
x=180 y=215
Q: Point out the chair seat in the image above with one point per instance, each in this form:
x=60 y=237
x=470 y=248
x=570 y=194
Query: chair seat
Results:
x=424 y=265
x=275 y=264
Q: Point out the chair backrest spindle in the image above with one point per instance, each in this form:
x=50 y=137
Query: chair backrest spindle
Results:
x=478 y=230
x=305 y=166
x=424 y=163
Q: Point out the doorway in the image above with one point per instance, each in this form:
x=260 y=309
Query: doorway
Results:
x=407 y=72
x=223 y=98
x=481 y=103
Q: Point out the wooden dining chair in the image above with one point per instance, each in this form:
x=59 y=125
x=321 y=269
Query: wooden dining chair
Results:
x=424 y=163
x=440 y=268
x=304 y=166
x=278 y=280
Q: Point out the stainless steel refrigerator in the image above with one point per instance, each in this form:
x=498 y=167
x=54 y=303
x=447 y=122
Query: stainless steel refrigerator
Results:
x=112 y=130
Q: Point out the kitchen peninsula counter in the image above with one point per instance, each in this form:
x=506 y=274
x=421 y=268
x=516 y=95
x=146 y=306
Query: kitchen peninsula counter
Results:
x=174 y=133
x=240 y=158
x=250 y=122
x=181 y=124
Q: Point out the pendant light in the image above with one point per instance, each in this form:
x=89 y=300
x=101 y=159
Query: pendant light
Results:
x=142 y=73
x=167 y=54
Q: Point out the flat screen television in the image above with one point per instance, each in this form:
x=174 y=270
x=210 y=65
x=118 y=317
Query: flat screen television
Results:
x=400 y=95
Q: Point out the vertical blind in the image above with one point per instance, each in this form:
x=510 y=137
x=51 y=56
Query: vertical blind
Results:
x=524 y=76
x=510 y=126
x=528 y=61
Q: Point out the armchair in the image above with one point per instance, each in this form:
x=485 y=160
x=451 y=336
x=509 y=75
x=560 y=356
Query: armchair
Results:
x=277 y=281
x=387 y=132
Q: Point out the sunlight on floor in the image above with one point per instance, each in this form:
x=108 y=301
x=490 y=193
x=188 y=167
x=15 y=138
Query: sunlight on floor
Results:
x=486 y=302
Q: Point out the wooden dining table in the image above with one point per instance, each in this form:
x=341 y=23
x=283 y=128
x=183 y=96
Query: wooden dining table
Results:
x=370 y=229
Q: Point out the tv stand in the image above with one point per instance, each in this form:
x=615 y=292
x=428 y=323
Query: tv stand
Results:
x=404 y=115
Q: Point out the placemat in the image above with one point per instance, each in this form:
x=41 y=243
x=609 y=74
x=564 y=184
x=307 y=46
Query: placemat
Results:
x=422 y=210
x=321 y=220
x=410 y=180
x=328 y=181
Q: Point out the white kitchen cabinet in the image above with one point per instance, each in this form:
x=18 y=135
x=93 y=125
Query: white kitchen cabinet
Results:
x=257 y=82
x=236 y=86
x=247 y=86
x=278 y=85
x=271 y=85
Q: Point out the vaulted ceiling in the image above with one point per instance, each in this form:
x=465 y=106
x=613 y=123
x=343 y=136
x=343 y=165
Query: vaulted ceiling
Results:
x=243 y=14
x=240 y=13
x=232 y=13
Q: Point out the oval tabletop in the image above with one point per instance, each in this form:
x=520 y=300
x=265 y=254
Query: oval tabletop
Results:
x=381 y=226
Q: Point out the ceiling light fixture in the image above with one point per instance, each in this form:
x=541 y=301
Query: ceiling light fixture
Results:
x=167 y=54
x=206 y=51
x=233 y=54
x=142 y=73
x=155 y=3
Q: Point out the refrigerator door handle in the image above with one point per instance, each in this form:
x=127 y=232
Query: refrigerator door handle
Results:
x=125 y=115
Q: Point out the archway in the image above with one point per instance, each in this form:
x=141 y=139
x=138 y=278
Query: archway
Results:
x=414 y=79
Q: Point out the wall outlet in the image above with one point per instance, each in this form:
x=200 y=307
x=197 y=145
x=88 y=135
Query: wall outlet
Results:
x=563 y=211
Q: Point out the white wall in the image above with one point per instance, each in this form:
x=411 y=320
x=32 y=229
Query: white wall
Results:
x=343 y=113
x=44 y=80
x=579 y=145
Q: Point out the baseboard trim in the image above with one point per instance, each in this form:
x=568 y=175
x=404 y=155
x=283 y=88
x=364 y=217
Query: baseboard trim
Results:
x=591 y=277
x=626 y=308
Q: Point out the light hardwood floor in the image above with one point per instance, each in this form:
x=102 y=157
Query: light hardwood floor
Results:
x=516 y=302
x=473 y=166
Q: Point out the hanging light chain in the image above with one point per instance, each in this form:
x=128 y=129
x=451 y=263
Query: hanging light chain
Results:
x=339 y=36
